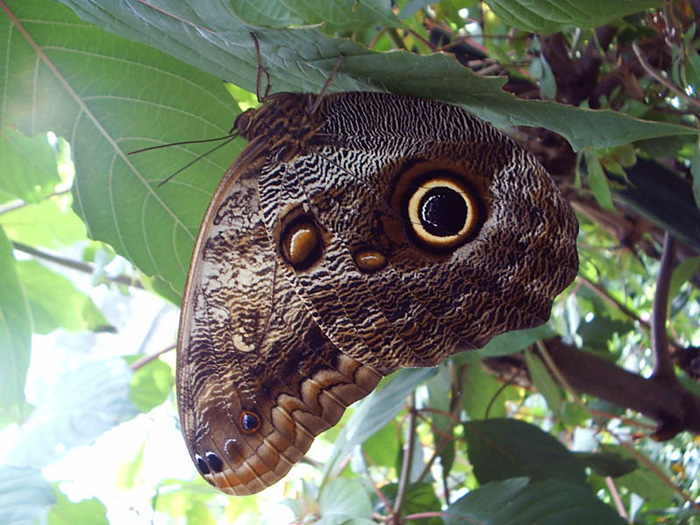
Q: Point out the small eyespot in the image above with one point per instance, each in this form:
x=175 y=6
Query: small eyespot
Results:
x=250 y=422
x=369 y=260
x=201 y=464
x=301 y=243
x=215 y=462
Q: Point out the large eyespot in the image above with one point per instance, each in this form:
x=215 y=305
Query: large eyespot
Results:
x=443 y=211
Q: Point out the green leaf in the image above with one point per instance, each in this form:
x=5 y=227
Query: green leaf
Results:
x=25 y=496
x=66 y=512
x=15 y=335
x=598 y=182
x=344 y=498
x=663 y=197
x=29 y=171
x=550 y=16
x=544 y=382
x=484 y=396
x=383 y=447
x=376 y=410
x=683 y=273
x=503 y=448
x=695 y=170
x=514 y=502
x=150 y=385
x=439 y=395
x=48 y=223
x=510 y=343
x=643 y=481
x=301 y=59
x=340 y=15
x=82 y=406
x=56 y=303
x=419 y=498
x=108 y=97
x=608 y=463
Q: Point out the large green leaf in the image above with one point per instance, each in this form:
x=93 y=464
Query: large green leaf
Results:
x=549 y=16
x=515 y=502
x=109 y=96
x=211 y=36
x=503 y=448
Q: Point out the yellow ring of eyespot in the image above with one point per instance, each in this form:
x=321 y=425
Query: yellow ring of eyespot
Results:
x=446 y=241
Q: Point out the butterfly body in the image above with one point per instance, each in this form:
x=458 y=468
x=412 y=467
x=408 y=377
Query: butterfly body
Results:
x=358 y=233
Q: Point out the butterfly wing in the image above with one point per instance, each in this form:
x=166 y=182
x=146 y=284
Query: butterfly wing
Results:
x=257 y=381
x=377 y=166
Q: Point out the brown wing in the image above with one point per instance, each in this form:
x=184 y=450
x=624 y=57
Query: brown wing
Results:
x=257 y=380
x=433 y=231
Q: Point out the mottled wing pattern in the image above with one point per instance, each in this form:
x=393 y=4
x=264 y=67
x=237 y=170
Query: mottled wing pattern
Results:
x=354 y=236
x=257 y=381
x=424 y=303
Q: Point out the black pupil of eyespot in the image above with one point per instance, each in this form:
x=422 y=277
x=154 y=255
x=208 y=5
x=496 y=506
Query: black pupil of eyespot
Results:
x=249 y=421
x=443 y=212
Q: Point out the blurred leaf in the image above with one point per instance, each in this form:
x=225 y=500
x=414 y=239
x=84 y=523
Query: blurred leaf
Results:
x=664 y=198
x=151 y=385
x=45 y=224
x=81 y=407
x=608 y=463
x=544 y=382
x=66 y=512
x=440 y=395
x=56 y=303
x=550 y=16
x=514 y=502
x=344 y=498
x=643 y=481
x=25 y=496
x=503 y=448
x=15 y=335
x=683 y=273
x=29 y=170
x=340 y=15
x=383 y=447
x=598 y=182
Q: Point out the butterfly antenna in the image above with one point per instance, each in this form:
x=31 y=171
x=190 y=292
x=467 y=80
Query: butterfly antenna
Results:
x=228 y=138
x=150 y=148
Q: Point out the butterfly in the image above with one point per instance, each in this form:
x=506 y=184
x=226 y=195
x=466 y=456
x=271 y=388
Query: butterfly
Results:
x=357 y=234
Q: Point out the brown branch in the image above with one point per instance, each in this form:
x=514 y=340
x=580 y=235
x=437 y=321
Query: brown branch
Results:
x=674 y=408
x=663 y=366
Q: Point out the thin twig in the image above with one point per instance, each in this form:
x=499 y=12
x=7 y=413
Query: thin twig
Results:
x=404 y=481
x=151 y=357
x=663 y=366
x=616 y=498
x=75 y=265
x=659 y=78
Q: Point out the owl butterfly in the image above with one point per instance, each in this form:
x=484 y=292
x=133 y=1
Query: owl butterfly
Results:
x=357 y=234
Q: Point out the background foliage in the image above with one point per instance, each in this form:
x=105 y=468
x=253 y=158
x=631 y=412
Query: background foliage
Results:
x=494 y=436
